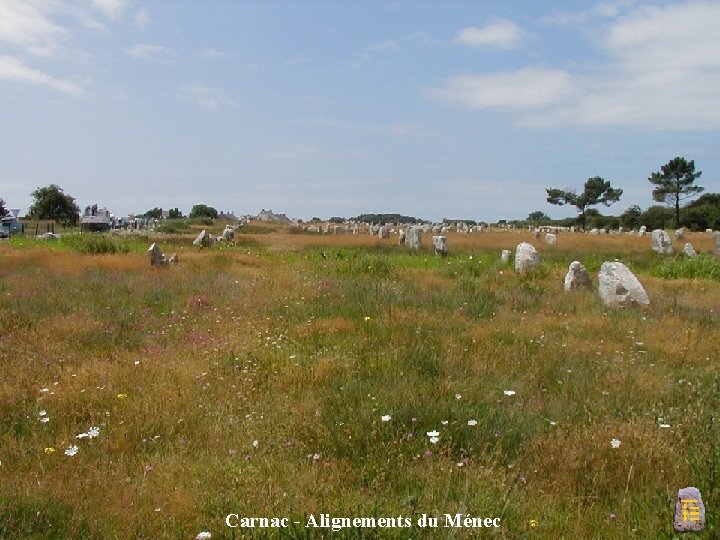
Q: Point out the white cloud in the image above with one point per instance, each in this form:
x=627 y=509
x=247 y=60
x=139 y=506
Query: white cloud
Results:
x=683 y=36
x=27 y=25
x=112 y=9
x=205 y=97
x=598 y=11
x=662 y=71
x=146 y=51
x=13 y=69
x=499 y=33
x=526 y=88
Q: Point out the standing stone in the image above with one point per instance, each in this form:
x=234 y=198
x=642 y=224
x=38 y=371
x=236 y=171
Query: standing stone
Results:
x=383 y=232
x=661 y=242
x=337 y=229
x=716 y=243
x=594 y=231
x=536 y=233
x=618 y=286
x=174 y=259
x=680 y=234
x=228 y=233
x=689 y=250
x=401 y=237
x=413 y=238
x=551 y=239
x=526 y=257
x=505 y=256
x=642 y=231
x=689 y=511
x=440 y=245
x=577 y=277
x=157 y=257
x=203 y=239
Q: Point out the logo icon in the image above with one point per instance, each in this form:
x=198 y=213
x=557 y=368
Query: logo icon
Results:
x=689 y=511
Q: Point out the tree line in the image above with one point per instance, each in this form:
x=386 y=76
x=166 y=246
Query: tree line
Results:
x=673 y=184
x=52 y=203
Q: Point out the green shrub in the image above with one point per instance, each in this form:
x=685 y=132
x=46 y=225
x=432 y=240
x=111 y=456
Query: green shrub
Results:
x=94 y=244
x=200 y=221
x=173 y=226
x=682 y=267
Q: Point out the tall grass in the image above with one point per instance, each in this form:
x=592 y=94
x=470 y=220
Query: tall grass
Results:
x=276 y=379
x=682 y=267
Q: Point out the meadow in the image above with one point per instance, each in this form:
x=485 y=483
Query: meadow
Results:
x=289 y=375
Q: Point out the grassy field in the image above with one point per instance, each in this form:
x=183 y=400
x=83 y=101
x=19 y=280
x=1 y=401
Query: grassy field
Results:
x=289 y=374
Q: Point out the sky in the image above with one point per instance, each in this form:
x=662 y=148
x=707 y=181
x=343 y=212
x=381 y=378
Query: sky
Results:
x=435 y=109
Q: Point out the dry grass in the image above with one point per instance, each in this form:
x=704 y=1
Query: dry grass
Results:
x=303 y=342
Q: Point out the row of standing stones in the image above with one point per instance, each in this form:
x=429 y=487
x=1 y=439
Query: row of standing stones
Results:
x=661 y=243
x=617 y=285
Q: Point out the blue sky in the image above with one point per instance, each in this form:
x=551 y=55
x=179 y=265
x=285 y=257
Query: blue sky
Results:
x=334 y=108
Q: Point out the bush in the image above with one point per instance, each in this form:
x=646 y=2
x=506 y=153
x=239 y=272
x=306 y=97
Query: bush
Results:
x=699 y=218
x=657 y=217
x=173 y=227
x=700 y=267
x=93 y=244
x=200 y=221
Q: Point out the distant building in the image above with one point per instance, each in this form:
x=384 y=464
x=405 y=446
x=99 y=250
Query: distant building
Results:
x=96 y=219
x=268 y=215
x=230 y=216
x=9 y=225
